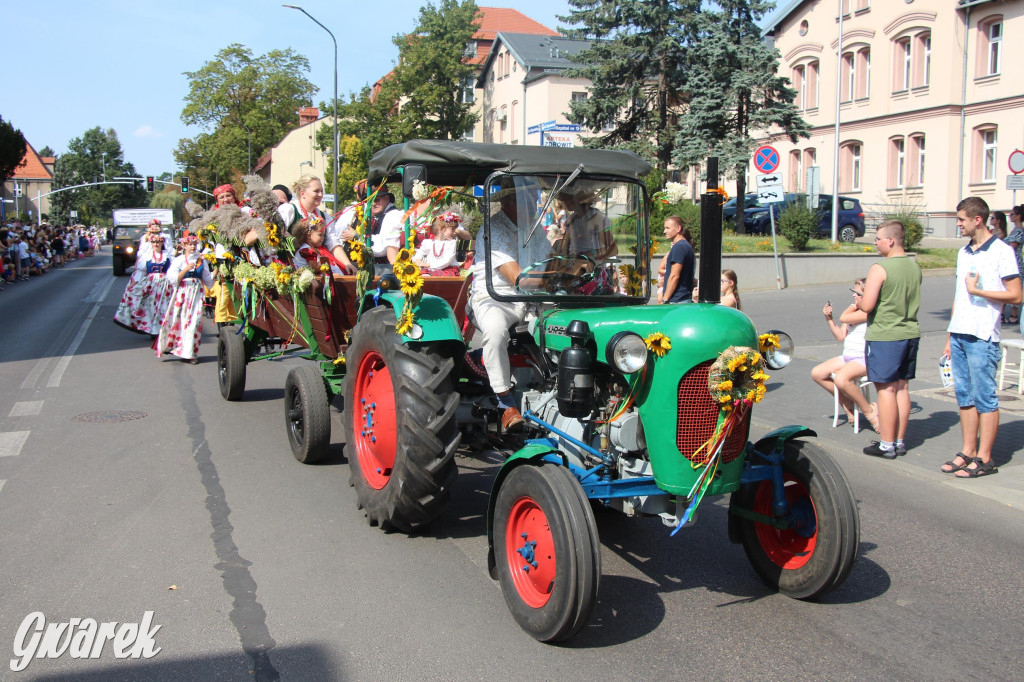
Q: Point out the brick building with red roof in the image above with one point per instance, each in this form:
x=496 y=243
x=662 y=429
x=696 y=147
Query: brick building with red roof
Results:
x=34 y=176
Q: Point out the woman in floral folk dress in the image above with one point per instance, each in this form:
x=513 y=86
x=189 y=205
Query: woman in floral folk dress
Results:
x=182 y=327
x=145 y=298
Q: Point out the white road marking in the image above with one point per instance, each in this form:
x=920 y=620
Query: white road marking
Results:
x=27 y=408
x=11 y=442
x=2 y=481
x=65 y=360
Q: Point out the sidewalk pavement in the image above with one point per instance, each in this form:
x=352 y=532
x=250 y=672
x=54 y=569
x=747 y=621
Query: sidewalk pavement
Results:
x=933 y=435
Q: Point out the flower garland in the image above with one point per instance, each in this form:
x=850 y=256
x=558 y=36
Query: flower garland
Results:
x=737 y=378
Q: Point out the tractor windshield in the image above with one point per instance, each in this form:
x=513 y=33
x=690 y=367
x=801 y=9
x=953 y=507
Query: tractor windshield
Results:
x=570 y=238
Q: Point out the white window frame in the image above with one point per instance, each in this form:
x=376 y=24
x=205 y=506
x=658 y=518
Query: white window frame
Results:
x=851 y=77
x=907 y=72
x=989 y=154
x=855 y=158
x=920 y=144
x=995 y=42
x=900 y=146
x=926 y=66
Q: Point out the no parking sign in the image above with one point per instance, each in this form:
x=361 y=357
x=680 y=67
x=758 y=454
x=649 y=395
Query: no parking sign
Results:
x=766 y=158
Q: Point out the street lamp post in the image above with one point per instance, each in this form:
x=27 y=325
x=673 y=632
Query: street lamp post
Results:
x=335 y=183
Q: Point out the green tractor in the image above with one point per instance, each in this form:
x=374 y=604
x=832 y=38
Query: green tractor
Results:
x=642 y=409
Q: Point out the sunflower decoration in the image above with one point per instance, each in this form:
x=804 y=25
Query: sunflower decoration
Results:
x=357 y=253
x=767 y=342
x=737 y=378
x=273 y=239
x=405 y=322
x=209 y=233
x=411 y=281
x=659 y=344
x=210 y=258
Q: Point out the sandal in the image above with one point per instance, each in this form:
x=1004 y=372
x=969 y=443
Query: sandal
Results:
x=953 y=467
x=982 y=469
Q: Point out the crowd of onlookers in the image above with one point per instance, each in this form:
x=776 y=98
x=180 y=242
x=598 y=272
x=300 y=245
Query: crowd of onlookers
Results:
x=32 y=250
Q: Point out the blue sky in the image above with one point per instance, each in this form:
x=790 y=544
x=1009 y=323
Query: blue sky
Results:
x=71 y=65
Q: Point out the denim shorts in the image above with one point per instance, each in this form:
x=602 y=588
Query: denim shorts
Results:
x=974 y=371
x=889 y=361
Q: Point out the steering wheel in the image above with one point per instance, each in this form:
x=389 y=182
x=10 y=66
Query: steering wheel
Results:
x=560 y=279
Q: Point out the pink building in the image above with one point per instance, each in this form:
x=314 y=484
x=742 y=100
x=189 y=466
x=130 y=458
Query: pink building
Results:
x=928 y=95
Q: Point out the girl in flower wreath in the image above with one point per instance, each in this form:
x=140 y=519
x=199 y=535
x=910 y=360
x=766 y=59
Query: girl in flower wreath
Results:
x=309 y=238
x=437 y=255
x=182 y=328
x=145 y=301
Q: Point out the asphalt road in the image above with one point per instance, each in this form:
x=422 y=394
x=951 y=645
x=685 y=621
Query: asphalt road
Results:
x=276 y=575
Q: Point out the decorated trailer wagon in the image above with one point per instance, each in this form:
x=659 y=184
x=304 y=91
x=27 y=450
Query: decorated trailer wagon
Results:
x=643 y=409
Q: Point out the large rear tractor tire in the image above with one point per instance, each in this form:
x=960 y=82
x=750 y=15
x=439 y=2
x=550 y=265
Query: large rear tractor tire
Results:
x=546 y=551
x=231 y=363
x=815 y=554
x=307 y=413
x=401 y=433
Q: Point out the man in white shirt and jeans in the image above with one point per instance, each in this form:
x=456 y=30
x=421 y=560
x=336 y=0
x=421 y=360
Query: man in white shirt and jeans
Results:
x=986 y=279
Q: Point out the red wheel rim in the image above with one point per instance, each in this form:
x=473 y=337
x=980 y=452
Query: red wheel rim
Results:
x=786 y=548
x=374 y=428
x=530 y=552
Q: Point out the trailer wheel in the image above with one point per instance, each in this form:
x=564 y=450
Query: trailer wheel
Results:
x=547 y=551
x=231 y=363
x=118 y=266
x=401 y=433
x=307 y=414
x=816 y=554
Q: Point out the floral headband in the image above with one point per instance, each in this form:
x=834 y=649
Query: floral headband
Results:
x=189 y=238
x=450 y=217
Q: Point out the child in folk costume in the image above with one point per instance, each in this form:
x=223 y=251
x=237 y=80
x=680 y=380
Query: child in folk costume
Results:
x=309 y=234
x=437 y=256
x=145 y=299
x=182 y=327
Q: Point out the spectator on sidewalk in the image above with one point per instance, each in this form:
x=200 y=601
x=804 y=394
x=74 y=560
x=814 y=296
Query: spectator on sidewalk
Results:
x=680 y=264
x=892 y=297
x=842 y=372
x=986 y=278
x=1011 y=313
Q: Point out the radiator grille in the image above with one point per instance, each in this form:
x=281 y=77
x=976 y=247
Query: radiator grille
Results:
x=697 y=416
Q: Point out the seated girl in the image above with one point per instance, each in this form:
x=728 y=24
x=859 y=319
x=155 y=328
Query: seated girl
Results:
x=309 y=238
x=436 y=256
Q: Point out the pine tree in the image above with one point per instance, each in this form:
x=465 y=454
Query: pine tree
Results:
x=734 y=91
x=636 y=64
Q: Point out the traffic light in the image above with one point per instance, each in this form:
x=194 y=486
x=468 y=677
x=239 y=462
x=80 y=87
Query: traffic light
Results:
x=150 y=181
x=184 y=184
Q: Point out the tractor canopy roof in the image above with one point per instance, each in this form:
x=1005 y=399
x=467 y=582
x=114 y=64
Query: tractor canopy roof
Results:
x=452 y=163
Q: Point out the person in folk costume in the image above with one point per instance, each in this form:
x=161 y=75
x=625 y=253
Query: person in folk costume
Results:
x=437 y=255
x=145 y=301
x=224 y=308
x=133 y=291
x=310 y=248
x=309 y=192
x=182 y=328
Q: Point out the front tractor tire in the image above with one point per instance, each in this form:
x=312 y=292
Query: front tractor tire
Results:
x=546 y=551
x=307 y=413
x=231 y=363
x=401 y=433
x=815 y=554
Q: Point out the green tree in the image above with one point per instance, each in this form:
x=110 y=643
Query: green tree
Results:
x=636 y=65
x=12 y=149
x=422 y=96
x=46 y=151
x=238 y=98
x=735 y=90
x=354 y=163
x=93 y=157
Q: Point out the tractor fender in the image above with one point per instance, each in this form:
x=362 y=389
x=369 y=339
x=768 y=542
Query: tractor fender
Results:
x=772 y=444
x=433 y=315
x=540 y=449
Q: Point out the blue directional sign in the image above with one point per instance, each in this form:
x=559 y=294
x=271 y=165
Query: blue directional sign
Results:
x=766 y=158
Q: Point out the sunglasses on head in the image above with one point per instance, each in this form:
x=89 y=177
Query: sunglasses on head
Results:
x=857 y=293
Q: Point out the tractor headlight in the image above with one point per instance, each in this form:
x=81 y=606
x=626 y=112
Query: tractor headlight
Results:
x=129 y=250
x=627 y=352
